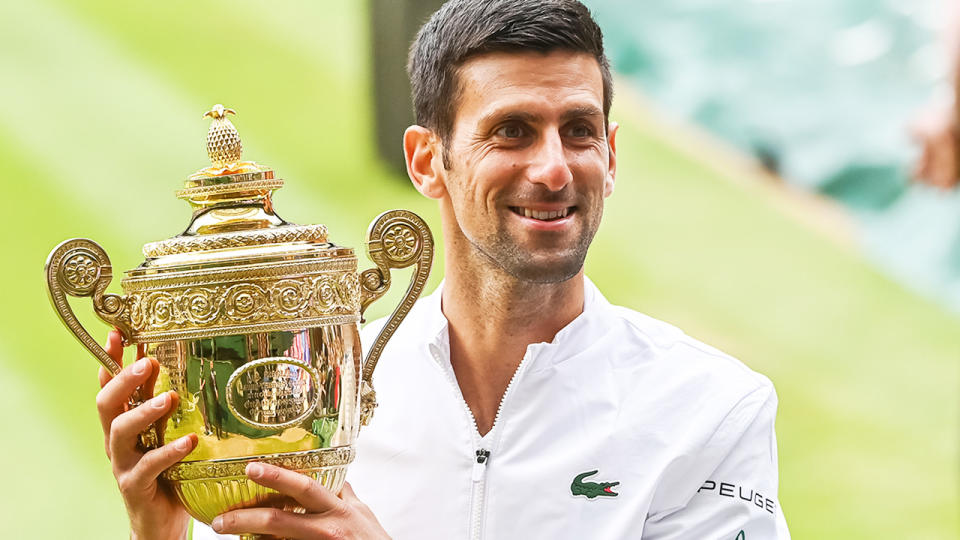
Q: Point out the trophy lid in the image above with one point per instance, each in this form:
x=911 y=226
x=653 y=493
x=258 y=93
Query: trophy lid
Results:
x=236 y=242
x=233 y=216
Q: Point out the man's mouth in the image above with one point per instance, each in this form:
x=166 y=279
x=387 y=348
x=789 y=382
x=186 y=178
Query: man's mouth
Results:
x=543 y=215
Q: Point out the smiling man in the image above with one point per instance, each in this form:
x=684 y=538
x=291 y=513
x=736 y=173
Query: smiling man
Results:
x=516 y=402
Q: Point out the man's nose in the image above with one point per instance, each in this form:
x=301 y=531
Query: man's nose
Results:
x=550 y=166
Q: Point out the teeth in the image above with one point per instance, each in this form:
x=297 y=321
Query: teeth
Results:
x=545 y=215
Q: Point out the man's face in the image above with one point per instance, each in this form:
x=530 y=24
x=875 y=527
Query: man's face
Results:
x=530 y=161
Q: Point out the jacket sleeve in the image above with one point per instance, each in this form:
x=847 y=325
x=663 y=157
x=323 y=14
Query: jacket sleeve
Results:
x=737 y=500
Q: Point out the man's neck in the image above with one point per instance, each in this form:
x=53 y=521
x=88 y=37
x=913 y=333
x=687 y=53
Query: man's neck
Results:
x=493 y=317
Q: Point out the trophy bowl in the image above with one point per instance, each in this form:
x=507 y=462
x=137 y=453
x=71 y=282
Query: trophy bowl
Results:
x=254 y=322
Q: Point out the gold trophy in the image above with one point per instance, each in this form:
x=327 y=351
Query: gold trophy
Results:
x=254 y=322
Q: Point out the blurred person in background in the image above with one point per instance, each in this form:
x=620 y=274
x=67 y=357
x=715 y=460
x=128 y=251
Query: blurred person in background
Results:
x=937 y=128
x=516 y=402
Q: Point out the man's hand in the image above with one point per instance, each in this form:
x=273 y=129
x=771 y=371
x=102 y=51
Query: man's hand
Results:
x=154 y=511
x=328 y=516
x=938 y=134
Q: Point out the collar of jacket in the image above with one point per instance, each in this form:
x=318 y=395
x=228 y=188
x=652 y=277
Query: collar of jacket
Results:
x=567 y=343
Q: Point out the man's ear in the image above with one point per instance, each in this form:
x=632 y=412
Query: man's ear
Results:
x=612 y=162
x=423 y=152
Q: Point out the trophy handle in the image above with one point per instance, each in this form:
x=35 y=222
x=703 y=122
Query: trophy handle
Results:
x=395 y=239
x=80 y=267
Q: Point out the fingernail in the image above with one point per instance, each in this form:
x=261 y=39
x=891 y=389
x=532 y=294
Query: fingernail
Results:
x=217 y=523
x=254 y=470
x=160 y=401
x=182 y=443
x=140 y=366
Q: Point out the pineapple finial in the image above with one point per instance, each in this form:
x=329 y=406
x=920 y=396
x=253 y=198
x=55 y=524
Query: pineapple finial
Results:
x=223 y=140
x=218 y=111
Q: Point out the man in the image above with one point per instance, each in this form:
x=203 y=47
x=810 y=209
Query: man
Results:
x=515 y=401
x=937 y=128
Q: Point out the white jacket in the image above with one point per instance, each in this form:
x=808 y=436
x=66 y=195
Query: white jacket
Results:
x=685 y=431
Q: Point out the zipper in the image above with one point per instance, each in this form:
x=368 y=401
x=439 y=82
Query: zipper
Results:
x=479 y=484
x=479 y=473
x=516 y=375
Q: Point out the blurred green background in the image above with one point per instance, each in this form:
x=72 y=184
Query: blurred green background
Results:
x=100 y=121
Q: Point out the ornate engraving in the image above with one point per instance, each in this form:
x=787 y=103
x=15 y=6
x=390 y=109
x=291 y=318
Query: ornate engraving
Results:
x=207 y=242
x=273 y=393
x=228 y=175
x=245 y=302
x=229 y=468
x=227 y=189
x=160 y=305
x=396 y=239
x=401 y=242
x=112 y=303
x=80 y=272
x=196 y=305
x=290 y=296
x=80 y=267
x=138 y=282
x=177 y=313
x=252 y=328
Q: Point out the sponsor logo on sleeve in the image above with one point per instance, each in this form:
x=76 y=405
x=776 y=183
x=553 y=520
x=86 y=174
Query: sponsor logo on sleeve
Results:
x=742 y=493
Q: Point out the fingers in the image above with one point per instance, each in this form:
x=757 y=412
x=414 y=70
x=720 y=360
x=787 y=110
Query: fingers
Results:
x=335 y=518
x=126 y=428
x=146 y=392
x=300 y=487
x=104 y=376
x=145 y=473
x=147 y=388
x=113 y=397
x=114 y=348
x=273 y=522
x=351 y=500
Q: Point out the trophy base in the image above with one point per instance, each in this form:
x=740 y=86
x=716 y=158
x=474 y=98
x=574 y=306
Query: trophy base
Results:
x=211 y=487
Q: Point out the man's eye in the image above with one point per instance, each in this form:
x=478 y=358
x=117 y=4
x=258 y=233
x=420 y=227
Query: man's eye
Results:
x=580 y=131
x=511 y=131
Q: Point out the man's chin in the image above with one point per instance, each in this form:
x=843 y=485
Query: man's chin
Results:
x=545 y=270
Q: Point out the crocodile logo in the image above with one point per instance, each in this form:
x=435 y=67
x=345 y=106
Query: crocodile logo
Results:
x=741 y=536
x=592 y=490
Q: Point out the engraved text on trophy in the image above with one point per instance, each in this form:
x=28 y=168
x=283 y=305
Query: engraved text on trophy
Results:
x=273 y=393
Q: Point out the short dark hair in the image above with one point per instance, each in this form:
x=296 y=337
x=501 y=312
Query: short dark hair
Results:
x=462 y=29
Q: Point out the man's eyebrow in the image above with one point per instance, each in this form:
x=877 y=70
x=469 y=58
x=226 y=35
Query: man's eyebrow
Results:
x=510 y=116
x=498 y=116
x=582 y=111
